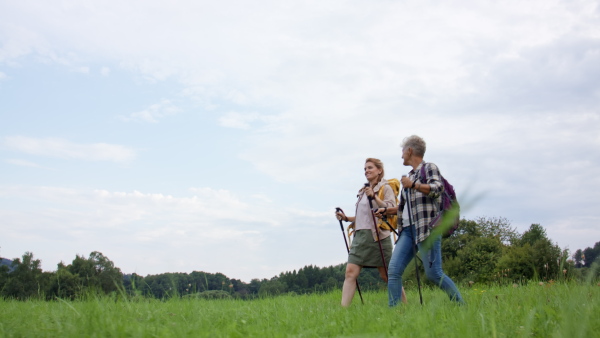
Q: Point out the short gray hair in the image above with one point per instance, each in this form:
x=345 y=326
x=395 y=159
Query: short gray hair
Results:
x=416 y=143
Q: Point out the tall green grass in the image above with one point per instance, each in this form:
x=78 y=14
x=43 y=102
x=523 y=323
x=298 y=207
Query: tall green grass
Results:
x=549 y=310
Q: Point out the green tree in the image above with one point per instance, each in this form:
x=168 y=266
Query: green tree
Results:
x=497 y=227
x=479 y=258
x=26 y=280
x=516 y=265
x=240 y=288
x=301 y=281
x=134 y=284
x=217 y=281
x=547 y=258
x=96 y=272
x=331 y=284
x=591 y=254
x=272 y=287
x=535 y=233
x=469 y=230
x=3 y=276
x=578 y=258
x=473 y=251
x=110 y=277
x=214 y=294
x=162 y=286
x=254 y=286
x=199 y=281
x=64 y=284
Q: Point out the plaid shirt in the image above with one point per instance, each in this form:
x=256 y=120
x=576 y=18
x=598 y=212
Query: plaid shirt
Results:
x=424 y=207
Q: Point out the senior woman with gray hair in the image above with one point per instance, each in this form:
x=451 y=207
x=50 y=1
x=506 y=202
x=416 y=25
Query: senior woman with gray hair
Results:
x=424 y=200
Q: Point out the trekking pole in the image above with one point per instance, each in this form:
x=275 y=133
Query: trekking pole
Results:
x=414 y=242
x=384 y=218
x=377 y=232
x=348 y=249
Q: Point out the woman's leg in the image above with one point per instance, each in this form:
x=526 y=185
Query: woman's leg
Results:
x=402 y=255
x=388 y=248
x=432 y=261
x=385 y=279
x=382 y=273
x=349 y=288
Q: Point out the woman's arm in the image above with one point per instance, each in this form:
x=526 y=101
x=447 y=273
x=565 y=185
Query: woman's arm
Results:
x=388 y=205
x=433 y=187
x=341 y=216
x=386 y=211
x=388 y=197
x=389 y=200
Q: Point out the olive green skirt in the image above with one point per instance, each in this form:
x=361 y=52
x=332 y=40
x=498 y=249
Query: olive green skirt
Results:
x=365 y=251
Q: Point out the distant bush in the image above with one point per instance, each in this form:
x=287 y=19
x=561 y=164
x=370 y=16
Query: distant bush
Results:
x=213 y=294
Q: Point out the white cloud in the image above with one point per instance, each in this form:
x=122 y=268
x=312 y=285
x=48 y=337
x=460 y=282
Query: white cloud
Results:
x=153 y=113
x=245 y=121
x=105 y=71
x=23 y=163
x=156 y=233
x=56 y=147
x=301 y=56
x=83 y=69
x=237 y=120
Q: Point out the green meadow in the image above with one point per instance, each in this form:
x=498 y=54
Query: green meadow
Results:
x=533 y=310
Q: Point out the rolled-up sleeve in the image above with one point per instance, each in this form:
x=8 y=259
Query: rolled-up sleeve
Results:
x=434 y=180
x=388 y=197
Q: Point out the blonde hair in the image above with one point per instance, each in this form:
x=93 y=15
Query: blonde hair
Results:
x=379 y=165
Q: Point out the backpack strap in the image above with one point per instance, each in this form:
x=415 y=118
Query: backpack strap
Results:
x=423 y=176
x=351 y=230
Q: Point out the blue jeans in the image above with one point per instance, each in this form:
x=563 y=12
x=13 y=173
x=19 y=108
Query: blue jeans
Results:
x=432 y=261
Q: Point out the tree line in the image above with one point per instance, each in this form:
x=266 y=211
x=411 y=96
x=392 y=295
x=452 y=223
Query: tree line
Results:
x=585 y=258
x=24 y=278
x=484 y=250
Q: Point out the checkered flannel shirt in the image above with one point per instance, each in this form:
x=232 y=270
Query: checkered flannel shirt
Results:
x=424 y=207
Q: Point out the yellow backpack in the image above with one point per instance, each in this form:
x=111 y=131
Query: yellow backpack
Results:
x=391 y=219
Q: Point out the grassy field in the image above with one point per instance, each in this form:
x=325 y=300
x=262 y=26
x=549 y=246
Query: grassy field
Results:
x=551 y=310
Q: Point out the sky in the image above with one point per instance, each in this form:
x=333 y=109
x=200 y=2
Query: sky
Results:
x=180 y=136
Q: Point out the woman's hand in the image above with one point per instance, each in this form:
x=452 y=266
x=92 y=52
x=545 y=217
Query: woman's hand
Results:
x=369 y=192
x=379 y=212
x=341 y=216
x=406 y=182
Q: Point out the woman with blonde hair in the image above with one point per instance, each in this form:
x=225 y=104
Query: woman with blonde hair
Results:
x=369 y=241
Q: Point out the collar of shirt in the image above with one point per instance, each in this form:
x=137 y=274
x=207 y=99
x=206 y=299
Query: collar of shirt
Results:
x=376 y=188
x=417 y=169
